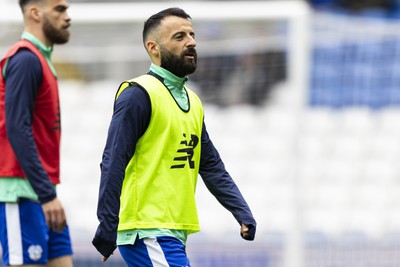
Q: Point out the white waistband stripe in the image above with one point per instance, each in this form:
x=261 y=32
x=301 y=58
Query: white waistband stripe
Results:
x=14 y=234
x=156 y=254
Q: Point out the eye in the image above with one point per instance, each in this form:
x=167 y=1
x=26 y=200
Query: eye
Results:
x=60 y=8
x=179 y=36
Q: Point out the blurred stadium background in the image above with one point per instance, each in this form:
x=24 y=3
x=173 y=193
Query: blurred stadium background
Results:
x=302 y=99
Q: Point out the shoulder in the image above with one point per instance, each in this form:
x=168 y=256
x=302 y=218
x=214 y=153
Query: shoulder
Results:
x=132 y=98
x=23 y=65
x=24 y=55
x=133 y=92
x=24 y=60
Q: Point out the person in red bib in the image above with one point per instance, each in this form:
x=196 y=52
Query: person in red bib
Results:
x=33 y=225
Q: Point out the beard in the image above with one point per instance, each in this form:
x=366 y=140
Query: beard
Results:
x=178 y=64
x=56 y=36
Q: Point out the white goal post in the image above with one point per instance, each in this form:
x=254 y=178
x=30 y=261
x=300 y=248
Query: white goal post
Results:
x=295 y=12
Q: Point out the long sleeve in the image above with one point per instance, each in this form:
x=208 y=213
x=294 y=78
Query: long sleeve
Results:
x=23 y=79
x=130 y=119
x=221 y=185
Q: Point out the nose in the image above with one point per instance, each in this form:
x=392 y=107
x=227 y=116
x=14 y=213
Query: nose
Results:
x=191 y=42
x=67 y=17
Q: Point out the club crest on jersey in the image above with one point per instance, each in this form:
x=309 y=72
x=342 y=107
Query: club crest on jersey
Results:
x=35 y=252
x=186 y=152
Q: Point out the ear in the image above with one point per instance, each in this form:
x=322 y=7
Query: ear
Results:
x=152 y=48
x=33 y=12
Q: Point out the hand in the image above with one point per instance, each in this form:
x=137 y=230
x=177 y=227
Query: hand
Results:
x=244 y=231
x=55 y=215
x=104 y=259
x=106 y=248
x=247 y=232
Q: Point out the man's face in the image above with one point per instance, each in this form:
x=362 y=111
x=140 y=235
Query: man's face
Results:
x=56 y=21
x=177 y=46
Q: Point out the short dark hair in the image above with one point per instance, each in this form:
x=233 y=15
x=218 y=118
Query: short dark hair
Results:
x=155 y=20
x=23 y=3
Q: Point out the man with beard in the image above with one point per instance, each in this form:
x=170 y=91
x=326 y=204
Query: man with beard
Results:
x=157 y=145
x=33 y=228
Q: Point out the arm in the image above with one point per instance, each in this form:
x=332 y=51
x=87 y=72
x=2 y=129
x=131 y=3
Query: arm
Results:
x=222 y=186
x=130 y=119
x=23 y=79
